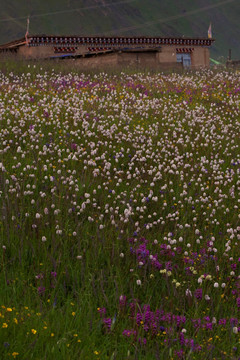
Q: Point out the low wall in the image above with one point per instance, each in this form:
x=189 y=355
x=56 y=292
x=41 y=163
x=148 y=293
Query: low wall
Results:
x=125 y=60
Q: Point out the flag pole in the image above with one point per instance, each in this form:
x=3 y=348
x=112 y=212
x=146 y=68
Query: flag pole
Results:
x=27 y=31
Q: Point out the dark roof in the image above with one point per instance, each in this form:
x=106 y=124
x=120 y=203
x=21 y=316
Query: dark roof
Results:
x=13 y=44
x=105 y=52
x=35 y=40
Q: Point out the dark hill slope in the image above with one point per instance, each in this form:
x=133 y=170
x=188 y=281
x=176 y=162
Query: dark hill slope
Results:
x=132 y=17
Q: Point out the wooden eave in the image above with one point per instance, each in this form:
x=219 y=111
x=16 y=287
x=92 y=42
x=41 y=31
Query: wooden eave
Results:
x=36 y=40
x=13 y=44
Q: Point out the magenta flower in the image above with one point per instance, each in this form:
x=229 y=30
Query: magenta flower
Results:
x=41 y=290
x=198 y=294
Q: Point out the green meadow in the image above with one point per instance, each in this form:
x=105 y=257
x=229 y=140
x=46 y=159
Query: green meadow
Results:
x=120 y=223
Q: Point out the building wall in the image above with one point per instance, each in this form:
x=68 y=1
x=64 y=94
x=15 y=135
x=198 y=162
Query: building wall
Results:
x=138 y=58
x=200 y=57
x=46 y=51
x=166 y=57
x=35 y=52
x=93 y=62
x=123 y=60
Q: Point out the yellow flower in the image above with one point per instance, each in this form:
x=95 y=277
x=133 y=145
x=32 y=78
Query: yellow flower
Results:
x=15 y=320
x=73 y=313
x=14 y=354
x=34 y=331
x=96 y=352
x=52 y=334
x=4 y=325
x=9 y=309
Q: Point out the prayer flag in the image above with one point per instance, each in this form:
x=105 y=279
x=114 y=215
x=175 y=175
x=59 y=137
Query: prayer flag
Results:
x=210 y=31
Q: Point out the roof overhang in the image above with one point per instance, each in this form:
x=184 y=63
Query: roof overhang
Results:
x=37 y=40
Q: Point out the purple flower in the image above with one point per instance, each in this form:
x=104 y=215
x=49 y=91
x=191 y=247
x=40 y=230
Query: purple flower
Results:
x=142 y=341
x=39 y=276
x=181 y=339
x=209 y=326
x=41 y=290
x=238 y=302
x=198 y=294
x=129 y=332
x=73 y=146
x=233 y=321
x=101 y=311
x=107 y=323
x=222 y=322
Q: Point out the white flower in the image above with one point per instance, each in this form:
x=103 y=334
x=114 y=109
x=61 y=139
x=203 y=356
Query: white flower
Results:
x=121 y=255
x=38 y=216
x=79 y=257
x=208 y=277
x=44 y=238
x=139 y=282
x=207 y=297
x=223 y=285
x=235 y=330
x=214 y=321
x=216 y=285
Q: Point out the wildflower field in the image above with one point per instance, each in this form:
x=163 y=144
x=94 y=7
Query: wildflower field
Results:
x=119 y=215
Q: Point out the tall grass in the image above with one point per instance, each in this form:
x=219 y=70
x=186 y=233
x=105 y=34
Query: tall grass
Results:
x=119 y=198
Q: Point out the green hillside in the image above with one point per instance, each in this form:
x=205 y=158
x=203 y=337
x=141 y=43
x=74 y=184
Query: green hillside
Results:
x=129 y=17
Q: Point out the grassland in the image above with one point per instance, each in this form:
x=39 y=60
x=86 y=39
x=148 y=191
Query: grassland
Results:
x=119 y=202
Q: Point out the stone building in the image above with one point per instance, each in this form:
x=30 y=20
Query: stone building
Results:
x=97 y=51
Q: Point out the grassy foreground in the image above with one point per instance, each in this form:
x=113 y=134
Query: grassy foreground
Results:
x=119 y=225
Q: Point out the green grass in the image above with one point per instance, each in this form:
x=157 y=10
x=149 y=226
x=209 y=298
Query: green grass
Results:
x=67 y=135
